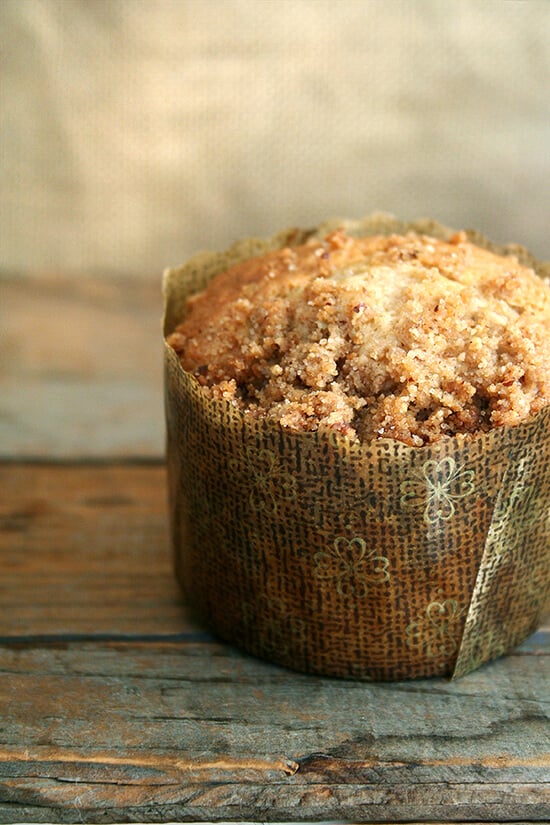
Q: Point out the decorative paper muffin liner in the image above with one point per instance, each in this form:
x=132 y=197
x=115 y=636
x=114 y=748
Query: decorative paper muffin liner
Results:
x=376 y=561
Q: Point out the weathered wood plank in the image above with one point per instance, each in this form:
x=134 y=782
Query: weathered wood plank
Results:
x=116 y=706
x=202 y=692
x=194 y=803
x=140 y=732
x=85 y=550
x=80 y=366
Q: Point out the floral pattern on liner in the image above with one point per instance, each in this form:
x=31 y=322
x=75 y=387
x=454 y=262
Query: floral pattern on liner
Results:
x=436 y=488
x=267 y=482
x=352 y=566
x=438 y=630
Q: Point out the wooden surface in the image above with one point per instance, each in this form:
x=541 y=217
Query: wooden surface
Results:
x=116 y=706
x=80 y=366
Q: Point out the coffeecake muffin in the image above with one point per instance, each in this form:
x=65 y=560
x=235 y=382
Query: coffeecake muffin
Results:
x=358 y=446
x=404 y=336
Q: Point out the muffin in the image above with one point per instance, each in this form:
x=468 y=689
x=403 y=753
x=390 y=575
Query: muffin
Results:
x=358 y=446
x=402 y=336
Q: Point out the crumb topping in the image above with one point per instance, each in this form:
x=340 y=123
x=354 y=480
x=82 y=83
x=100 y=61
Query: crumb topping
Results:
x=405 y=337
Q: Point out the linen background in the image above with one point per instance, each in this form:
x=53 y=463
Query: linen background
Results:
x=134 y=133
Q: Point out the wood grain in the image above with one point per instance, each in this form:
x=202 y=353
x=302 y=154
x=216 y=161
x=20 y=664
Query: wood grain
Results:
x=115 y=705
x=80 y=366
x=139 y=731
x=85 y=551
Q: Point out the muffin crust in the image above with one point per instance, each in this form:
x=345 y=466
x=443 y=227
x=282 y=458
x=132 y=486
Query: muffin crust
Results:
x=401 y=336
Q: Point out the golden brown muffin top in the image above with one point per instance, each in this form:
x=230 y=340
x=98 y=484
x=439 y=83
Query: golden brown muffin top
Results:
x=405 y=337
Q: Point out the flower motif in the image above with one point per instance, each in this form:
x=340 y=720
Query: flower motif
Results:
x=436 y=488
x=437 y=630
x=267 y=482
x=352 y=566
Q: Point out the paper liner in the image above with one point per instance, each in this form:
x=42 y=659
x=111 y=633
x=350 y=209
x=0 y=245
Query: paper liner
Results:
x=376 y=561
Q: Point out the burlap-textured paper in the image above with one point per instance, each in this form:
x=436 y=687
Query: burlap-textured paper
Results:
x=375 y=561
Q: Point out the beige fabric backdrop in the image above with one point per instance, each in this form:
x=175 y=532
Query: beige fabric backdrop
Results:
x=135 y=132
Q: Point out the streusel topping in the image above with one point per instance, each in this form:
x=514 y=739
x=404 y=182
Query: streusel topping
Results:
x=405 y=337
